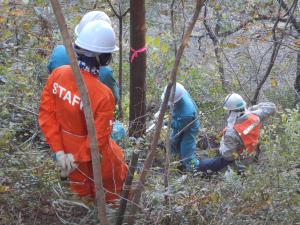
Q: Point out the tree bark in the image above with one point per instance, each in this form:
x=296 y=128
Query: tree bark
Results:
x=100 y=196
x=137 y=109
x=152 y=150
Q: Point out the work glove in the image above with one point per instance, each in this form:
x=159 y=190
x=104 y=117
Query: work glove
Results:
x=65 y=162
x=253 y=108
x=60 y=159
x=156 y=115
x=70 y=163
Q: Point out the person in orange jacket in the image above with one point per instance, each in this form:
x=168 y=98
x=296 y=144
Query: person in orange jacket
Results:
x=62 y=121
x=241 y=134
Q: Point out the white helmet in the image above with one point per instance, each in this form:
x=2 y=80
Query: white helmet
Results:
x=178 y=93
x=89 y=17
x=97 y=36
x=234 y=102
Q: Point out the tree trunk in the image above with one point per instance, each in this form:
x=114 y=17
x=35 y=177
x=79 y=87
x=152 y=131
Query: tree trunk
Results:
x=137 y=109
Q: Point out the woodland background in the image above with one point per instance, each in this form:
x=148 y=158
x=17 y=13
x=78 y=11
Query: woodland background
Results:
x=250 y=47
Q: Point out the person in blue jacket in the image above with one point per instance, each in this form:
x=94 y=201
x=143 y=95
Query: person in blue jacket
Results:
x=185 y=126
x=59 y=56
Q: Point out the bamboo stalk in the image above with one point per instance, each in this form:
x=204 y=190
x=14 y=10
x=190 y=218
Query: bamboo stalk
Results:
x=100 y=196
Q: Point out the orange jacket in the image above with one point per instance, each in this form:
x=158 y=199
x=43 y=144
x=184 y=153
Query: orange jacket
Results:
x=248 y=130
x=62 y=122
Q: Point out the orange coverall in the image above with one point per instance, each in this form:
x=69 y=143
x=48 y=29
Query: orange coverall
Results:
x=62 y=122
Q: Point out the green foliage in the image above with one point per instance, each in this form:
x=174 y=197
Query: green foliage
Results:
x=159 y=64
x=5 y=136
x=283 y=97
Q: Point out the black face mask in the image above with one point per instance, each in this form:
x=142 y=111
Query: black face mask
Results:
x=89 y=61
x=238 y=110
x=105 y=59
x=96 y=61
x=241 y=111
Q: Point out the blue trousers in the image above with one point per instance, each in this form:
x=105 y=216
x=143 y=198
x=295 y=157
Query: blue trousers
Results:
x=185 y=146
x=213 y=164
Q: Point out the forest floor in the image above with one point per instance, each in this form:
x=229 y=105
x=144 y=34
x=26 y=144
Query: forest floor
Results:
x=32 y=193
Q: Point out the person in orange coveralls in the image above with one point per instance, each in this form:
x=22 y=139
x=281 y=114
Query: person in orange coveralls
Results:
x=62 y=121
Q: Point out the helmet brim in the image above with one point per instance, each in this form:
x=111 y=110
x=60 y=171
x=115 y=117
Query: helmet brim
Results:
x=76 y=30
x=237 y=108
x=95 y=48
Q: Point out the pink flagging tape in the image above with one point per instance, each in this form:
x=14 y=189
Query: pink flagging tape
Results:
x=135 y=53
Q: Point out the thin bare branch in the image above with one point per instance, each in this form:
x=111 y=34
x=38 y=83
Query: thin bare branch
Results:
x=290 y=13
x=26 y=110
x=112 y=8
x=128 y=182
x=173 y=26
x=217 y=50
x=236 y=76
x=243 y=24
x=120 y=16
x=124 y=14
x=276 y=47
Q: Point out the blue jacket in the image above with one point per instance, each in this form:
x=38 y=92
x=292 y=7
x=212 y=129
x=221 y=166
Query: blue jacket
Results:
x=185 y=111
x=59 y=57
x=107 y=78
